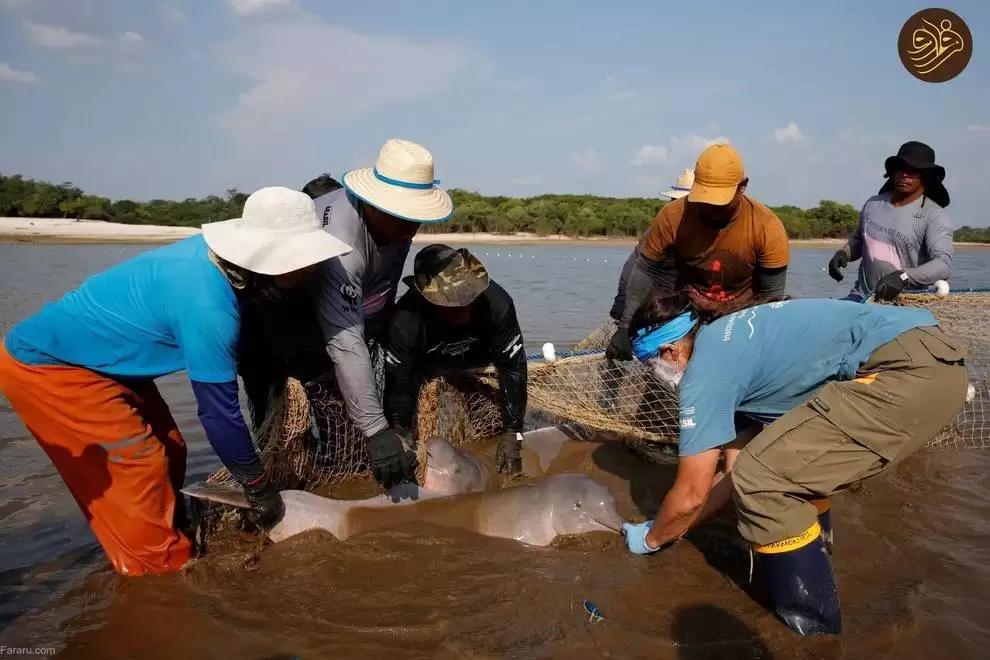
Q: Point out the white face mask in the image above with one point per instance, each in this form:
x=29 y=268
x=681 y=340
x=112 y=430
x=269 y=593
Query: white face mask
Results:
x=667 y=372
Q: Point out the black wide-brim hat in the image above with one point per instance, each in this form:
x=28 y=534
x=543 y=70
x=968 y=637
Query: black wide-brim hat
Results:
x=918 y=156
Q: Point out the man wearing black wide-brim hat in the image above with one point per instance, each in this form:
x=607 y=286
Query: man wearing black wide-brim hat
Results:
x=455 y=317
x=904 y=235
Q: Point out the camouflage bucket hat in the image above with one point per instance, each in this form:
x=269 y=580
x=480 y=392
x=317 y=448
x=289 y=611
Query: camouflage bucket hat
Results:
x=448 y=277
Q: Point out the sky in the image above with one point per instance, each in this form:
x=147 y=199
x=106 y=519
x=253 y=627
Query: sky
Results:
x=146 y=99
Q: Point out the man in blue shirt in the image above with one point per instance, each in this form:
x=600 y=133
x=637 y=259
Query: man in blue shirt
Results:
x=80 y=373
x=846 y=390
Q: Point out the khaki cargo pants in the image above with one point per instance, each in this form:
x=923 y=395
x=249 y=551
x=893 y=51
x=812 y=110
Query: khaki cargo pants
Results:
x=849 y=431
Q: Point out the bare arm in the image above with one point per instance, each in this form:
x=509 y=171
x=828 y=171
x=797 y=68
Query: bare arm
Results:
x=721 y=493
x=686 y=499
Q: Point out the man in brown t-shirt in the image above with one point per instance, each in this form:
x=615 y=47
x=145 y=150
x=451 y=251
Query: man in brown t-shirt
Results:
x=718 y=244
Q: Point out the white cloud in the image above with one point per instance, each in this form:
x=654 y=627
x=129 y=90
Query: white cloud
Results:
x=248 y=7
x=173 y=14
x=531 y=180
x=616 y=91
x=978 y=128
x=10 y=74
x=356 y=74
x=49 y=36
x=650 y=155
x=791 y=132
x=131 y=38
x=589 y=160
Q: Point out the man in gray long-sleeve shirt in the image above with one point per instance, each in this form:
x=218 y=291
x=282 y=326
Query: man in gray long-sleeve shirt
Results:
x=904 y=236
x=379 y=209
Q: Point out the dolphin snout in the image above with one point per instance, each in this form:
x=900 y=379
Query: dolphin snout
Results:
x=610 y=520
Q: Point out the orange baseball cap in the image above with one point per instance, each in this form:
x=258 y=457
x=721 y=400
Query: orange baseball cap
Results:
x=717 y=174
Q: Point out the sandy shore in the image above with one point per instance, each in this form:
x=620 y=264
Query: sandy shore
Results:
x=61 y=230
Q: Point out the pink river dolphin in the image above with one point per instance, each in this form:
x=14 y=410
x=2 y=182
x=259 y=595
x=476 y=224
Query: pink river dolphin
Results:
x=458 y=491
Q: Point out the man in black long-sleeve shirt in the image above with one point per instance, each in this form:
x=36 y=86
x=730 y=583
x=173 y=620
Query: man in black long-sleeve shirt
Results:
x=455 y=317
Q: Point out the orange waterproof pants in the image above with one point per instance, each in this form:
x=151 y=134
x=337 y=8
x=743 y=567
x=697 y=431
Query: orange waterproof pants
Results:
x=119 y=451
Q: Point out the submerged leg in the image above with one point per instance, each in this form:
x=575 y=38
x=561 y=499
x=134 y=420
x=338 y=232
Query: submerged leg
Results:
x=798 y=577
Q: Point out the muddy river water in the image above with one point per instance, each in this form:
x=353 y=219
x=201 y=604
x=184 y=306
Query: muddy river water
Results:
x=912 y=555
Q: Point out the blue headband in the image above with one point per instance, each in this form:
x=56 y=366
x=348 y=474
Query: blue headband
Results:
x=648 y=341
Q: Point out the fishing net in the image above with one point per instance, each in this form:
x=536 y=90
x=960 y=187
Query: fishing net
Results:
x=626 y=400
x=621 y=399
x=965 y=315
x=307 y=440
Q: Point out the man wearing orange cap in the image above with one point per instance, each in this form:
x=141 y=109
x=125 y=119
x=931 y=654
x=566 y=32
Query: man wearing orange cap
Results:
x=720 y=245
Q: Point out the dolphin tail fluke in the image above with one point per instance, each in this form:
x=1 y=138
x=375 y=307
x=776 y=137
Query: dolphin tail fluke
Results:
x=220 y=493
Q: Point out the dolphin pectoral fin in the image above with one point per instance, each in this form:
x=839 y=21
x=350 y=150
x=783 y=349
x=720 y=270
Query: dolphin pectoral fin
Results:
x=546 y=442
x=220 y=493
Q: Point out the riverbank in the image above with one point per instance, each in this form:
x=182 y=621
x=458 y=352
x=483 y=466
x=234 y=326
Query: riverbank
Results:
x=70 y=231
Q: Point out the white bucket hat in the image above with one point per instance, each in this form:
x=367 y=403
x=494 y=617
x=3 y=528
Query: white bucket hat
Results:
x=401 y=184
x=278 y=232
x=683 y=185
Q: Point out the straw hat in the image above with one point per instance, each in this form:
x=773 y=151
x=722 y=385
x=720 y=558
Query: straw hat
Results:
x=278 y=232
x=401 y=184
x=683 y=185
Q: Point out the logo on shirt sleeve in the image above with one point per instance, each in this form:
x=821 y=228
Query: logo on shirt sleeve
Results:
x=687 y=418
x=349 y=292
x=514 y=346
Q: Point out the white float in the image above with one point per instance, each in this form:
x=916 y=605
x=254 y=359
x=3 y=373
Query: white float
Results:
x=548 y=352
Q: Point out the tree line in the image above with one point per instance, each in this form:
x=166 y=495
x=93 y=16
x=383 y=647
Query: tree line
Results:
x=570 y=215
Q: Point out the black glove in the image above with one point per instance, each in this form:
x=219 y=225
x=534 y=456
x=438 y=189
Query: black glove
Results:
x=839 y=261
x=891 y=285
x=267 y=507
x=406 y=435
x=620 y=347
x=508 y=456
x=391 y=463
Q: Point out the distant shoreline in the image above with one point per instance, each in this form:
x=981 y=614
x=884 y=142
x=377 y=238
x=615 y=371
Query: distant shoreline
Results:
x=95 y=232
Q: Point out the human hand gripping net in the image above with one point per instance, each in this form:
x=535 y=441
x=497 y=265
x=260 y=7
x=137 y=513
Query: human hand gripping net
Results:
x=307 y=440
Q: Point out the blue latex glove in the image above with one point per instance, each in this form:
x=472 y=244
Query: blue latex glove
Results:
x=636 y=537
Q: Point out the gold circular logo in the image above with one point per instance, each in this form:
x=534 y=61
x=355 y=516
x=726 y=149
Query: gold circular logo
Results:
x=935 y=45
